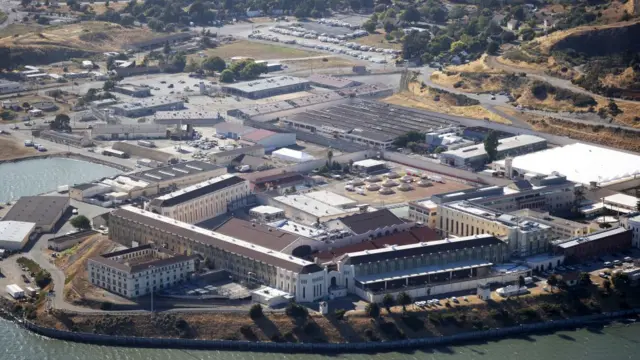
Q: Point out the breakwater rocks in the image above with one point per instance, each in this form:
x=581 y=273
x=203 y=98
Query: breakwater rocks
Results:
x=327 y=348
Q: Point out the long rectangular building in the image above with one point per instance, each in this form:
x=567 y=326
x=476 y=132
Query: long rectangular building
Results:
x=475 y=156
x=367 y=123
x=201 y=201
x=267 y=87
x=244 y=259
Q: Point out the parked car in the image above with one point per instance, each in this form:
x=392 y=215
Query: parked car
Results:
x=617 y=262
x=608 y=264
x=628 y=259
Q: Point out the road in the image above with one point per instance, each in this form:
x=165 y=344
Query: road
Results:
x=540 y=75
x=12 y=17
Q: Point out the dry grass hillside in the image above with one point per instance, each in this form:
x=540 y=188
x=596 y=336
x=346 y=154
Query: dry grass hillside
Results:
x=547 y=42
x=83 y=38
x=429 y=99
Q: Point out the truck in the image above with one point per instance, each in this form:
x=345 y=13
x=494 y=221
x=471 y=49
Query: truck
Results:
x=15 y=291
x=146 y=143
x=28 y=143
x=244 y=168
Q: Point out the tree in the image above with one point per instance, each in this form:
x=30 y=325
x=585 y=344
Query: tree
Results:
x=167 y=48
x=369 y=26
x=256 y=312
x=607 y=285
x=214 y=63
x=373 y=310
x=619 y=279
x=388 y=301
x=81 y=222
x=191 y=66
x=108 y=85
x=552 y=280
x=491 y=145
x=61 y=123
x=127 y=20
x=389 y=27
x=404 y=299
x=492 y=48
x=585 y=279
x=227 y=76
x=614 y=110
x=521 y=281
x=411 y=15
x=329 y=156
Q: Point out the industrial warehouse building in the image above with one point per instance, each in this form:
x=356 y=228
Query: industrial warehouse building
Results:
x=580 y=163
x=267 y=87
x=224 y=158
x=368 y=123
x=128 y=131
x=269 y=139
x=201 y=201
x=582 y=248
x=14 y=235
x=475 y=156
x=44 y=211
x=147 y=106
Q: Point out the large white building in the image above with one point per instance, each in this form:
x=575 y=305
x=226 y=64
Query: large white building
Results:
x=140 y=270
x=202 y=201
x=580 y=163
x=475 y=156
x=15 y=234
x=128 y=131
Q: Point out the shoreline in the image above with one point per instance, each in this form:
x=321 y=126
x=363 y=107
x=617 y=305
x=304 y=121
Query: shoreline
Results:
x=321 y=348
x=68 y=155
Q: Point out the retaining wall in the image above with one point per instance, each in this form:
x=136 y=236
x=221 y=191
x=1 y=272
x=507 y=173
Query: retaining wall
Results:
x=323 y=347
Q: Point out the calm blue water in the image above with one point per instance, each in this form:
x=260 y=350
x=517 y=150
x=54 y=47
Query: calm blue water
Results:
x=616 y=342
x=33 y=177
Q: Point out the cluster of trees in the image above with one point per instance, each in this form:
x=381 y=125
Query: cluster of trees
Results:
x=61 y=123
x=242 y=70
x=541 y=90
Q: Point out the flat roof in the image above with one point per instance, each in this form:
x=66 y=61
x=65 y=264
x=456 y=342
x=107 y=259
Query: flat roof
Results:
x=221 y=241
x=258 y=135
x=229 y=127
x=197 y=190
x=422 y=271
x=592 y=237
x=394 y=252
x=128 y=128
x=309 y=205
x=266 y=84
x=332 y=81
x=363 y=222
x=298 y=229
x=369 y=163
x=150 y=102
x=581 y=163
x=331 y=198
x=504 y=145
x=622 y=199
x=237 y=151
x=174 y=171
x=266 y=209
x=15 y=231
x=41 y=210
x=300 y=155
x=258 y=234
x=429 y=204
x=372 y=120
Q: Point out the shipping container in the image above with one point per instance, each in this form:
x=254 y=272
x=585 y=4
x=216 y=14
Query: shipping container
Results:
x=15 y=291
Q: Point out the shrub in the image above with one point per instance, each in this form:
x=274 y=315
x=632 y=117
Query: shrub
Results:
x=276 y=338
x=296 y=310
x=373 y=310
x=288 y=336
x=527 y=313
x=339 y=314
x=309 y=328
x=256 y=312
x=105 y=305
x=247 y=332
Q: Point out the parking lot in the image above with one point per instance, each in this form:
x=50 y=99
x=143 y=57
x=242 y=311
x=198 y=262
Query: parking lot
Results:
x=226 y=288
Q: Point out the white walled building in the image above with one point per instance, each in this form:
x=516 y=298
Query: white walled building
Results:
x=15 y=234
x=201 y=201
x=634 y=226
x=140 y=270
